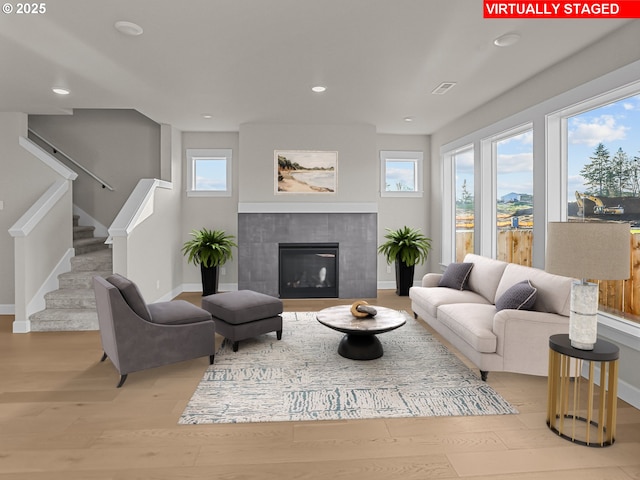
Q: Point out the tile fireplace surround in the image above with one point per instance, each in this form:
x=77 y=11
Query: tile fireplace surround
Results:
x=262 y=227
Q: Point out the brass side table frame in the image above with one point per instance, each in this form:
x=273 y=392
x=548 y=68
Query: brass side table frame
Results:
x=593 y=424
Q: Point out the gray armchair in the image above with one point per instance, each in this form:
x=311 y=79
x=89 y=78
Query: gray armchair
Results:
x=137 y=336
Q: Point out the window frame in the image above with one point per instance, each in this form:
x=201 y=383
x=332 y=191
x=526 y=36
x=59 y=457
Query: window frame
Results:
x=489 y=174
x=407 y=156
x=194 y=154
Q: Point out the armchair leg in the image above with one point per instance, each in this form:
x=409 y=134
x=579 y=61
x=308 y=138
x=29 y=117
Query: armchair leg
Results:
x=415 y=315
x=279 y=334
x=104 y=356
x=235 y=346
x=484 y=375
x=211 y=357
x=122 y=380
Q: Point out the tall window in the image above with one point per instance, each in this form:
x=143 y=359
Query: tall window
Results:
x=514 y=196
x=463 y=165
x=603 y=183
x=209 y=172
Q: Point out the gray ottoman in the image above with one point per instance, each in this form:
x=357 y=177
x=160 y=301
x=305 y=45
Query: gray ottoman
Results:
x=244 y=314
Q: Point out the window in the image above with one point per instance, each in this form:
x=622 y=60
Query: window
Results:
x=209 y=172
x=603 y=183
x=513 y=152
x=463 y=164
x=401 y=174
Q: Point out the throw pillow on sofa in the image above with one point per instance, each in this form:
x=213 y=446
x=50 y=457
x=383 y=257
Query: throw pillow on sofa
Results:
x=456 y=276
x=520 y=296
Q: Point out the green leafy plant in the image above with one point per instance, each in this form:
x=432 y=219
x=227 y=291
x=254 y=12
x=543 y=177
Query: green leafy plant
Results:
x=407 y=245
x=209 y=248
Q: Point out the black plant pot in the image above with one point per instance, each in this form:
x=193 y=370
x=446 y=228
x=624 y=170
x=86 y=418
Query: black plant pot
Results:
x=404 y=278
x=209 y=280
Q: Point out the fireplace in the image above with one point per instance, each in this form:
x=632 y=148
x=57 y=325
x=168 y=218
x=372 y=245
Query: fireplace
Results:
x=308 y=270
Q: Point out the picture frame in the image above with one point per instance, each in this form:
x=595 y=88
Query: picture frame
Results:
x=305 y=172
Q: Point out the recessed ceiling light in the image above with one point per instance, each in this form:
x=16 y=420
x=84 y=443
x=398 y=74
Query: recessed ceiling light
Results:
x=408 y=119
x=129 y=28
x=60 y=91
x=319 y=89
x=207 y=116
x=506 y=40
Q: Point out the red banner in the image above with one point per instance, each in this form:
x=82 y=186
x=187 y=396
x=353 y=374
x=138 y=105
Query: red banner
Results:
x=562 y=9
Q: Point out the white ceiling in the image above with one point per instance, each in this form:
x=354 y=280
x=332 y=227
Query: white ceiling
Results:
x=256 y=60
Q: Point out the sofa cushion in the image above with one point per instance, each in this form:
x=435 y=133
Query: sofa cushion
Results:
x=456 y=276
x=520 y=296
x=431 y=298
x=131 y=295
x=485 y=276
x=471 y=322
x=554 y=291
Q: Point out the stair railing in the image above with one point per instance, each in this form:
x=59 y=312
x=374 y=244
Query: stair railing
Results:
x=56 y=151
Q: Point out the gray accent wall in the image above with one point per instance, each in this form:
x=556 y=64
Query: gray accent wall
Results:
x=356 y=233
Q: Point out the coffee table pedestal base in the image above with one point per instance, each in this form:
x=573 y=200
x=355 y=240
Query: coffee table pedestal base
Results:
x=360 y=347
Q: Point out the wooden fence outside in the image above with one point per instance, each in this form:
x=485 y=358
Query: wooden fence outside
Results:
x=616 y=296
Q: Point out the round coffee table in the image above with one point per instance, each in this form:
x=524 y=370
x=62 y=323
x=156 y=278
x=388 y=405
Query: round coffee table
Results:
x=360 y=341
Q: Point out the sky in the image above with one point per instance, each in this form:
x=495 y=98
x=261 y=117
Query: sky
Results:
x=616 y=125
x=211 y=174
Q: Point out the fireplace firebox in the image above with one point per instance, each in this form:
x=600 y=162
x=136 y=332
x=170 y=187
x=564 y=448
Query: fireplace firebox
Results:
x=308 y=270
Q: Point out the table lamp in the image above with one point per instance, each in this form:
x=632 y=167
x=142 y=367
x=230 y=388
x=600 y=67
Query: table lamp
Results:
x=587 y=250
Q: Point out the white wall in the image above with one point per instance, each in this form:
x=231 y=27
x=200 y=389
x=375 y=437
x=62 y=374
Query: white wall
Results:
x=214 y=213
x=357 y=160
x=24 y=179
x=394 y=212
x=119 y=146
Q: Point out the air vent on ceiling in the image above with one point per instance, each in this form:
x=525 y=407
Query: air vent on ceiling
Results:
x=443 y=88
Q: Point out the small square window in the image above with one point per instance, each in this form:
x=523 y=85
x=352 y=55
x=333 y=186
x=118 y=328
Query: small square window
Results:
x=208 y=172
x=401 y=174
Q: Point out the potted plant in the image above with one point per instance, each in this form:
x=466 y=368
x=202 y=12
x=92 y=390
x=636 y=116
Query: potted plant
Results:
x=406 y=247
x=209 y=249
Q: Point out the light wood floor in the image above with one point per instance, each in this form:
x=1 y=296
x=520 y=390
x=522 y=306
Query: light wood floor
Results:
x=61 y=417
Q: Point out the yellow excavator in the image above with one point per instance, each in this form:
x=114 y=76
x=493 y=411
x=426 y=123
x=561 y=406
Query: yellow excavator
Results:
x=599 y=208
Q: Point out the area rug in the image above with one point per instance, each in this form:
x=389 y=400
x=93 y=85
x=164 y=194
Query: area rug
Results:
x=302 y=377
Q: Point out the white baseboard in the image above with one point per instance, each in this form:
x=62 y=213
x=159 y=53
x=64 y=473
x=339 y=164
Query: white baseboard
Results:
x=7 y=309
x=627 y=392
x=21 y=326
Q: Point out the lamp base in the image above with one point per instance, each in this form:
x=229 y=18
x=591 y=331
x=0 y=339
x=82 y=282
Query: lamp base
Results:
x=583 y=319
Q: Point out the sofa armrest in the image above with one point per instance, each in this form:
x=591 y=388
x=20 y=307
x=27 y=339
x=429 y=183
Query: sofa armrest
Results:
x=431 y=279
x=523 y=338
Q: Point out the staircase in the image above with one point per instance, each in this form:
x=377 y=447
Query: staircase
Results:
x=73 y=306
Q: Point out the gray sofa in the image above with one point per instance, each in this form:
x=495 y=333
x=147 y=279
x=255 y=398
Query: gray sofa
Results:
x=508 y=340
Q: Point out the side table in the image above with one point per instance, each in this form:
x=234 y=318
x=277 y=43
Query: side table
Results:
x=582 y=413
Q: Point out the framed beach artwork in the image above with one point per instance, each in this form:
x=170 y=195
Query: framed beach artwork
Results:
x=303 y=172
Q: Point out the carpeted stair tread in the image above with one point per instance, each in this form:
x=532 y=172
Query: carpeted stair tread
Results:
x=83 y=232
x=64 y=319
x=86 y=245
x=80 y=279
x=100 y=260
x=71 y=298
